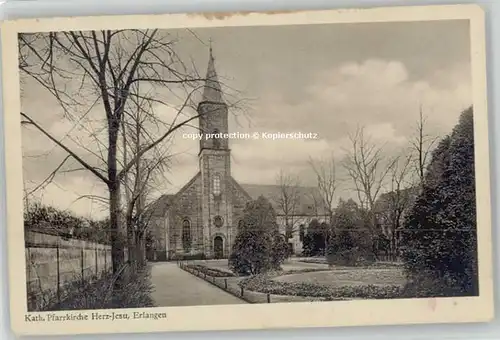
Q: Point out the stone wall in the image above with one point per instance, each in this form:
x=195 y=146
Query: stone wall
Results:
x=240 y=200
x=54 y=264
x=186 y=207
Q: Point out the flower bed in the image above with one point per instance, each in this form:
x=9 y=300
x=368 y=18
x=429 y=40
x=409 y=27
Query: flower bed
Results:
x=348 y=276
x=264 y=284
x=305 y=270
x=215 y=272
x=221 y=272
x=386 y=265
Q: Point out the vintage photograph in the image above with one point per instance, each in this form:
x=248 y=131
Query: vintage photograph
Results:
x=249 y=164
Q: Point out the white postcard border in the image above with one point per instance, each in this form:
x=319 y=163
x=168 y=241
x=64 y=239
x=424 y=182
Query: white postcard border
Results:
x=252 y=316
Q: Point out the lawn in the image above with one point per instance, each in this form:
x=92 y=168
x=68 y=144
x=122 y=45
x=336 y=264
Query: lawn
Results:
x=348 y=277
x=316 y=280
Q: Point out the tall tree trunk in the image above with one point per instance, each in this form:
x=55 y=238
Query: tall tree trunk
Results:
x=132 y=258
x=140 y=249
x=393 y=245
x=143 y=248
x=128 y=198
x=375 y=234
x=134 y=226
x=116 y=226
x=116 y=222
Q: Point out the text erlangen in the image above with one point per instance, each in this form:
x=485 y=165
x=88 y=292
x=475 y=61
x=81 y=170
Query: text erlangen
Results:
x=92 y=316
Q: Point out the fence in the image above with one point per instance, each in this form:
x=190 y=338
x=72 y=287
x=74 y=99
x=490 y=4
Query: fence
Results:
x=228 y=284
x=54 y=265
x=389 y=258
x=231 y=286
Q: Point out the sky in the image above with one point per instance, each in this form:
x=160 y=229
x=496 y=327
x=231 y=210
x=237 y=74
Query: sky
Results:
x=323 y=79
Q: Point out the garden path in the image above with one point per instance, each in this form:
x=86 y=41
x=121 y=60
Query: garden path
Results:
x=175 y=287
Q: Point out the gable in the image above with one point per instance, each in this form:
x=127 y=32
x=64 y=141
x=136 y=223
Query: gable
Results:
x=240 y=190
x=160 y=206
x=165 y=202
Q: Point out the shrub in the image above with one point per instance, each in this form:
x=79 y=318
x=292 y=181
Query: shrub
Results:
x=346 y=257
x=314 y=239
x=425 y=286
x=351 y=243
x=252 y=253
x=258 y=247
x=439 y=247
x=239 y=264
x=279 y=251
x=46 y=219
x=136 y=293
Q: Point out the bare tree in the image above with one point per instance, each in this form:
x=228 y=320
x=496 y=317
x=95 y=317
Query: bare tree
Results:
x=326 y=178
x=317 y=201
x=137 y=182
x=368 y=170
x=393 y=205
x=422 y=144
x=85 y=70
x=288 y=201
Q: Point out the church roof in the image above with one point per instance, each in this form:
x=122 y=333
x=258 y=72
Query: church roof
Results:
x=309 y=198
x=161 y=205
x=212 y=91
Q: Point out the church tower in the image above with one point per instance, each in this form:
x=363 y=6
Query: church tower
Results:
x=214 y=161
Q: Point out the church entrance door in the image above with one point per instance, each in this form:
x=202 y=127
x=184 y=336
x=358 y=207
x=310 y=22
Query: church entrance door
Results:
x=218 y=247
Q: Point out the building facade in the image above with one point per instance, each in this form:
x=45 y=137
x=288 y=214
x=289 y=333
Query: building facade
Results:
x=203 y=217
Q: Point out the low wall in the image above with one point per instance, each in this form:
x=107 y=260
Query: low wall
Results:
x=54 y=264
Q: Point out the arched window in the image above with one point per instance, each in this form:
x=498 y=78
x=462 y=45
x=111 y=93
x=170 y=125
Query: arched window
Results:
x=186 y=235
x=216 y=139
x=216 y=187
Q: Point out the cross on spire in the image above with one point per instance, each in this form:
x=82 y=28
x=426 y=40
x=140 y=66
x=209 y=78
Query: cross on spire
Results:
x=212 y=91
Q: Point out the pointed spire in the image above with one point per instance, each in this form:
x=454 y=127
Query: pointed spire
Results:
x=212 y=91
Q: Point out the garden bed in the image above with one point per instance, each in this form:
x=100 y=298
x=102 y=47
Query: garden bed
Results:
x=265 y=284
x=232 y=286
x=305 y=270
x=214 y=272
x=280 y=286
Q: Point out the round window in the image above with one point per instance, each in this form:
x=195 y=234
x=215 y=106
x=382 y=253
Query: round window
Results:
x=218 y=221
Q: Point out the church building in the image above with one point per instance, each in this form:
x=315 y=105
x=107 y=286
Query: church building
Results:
x=202 y=218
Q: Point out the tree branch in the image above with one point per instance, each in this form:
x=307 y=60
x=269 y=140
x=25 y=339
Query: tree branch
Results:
x=65 y=148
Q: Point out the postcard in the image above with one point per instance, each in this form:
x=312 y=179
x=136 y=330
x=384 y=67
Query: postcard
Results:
x=232 y=171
